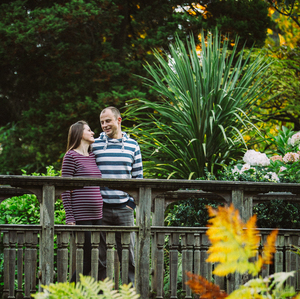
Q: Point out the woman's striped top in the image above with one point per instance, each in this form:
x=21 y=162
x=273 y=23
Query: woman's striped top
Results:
x=85 y=203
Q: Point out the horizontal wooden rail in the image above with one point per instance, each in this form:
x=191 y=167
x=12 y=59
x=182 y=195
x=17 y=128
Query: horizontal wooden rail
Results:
x=151 y=196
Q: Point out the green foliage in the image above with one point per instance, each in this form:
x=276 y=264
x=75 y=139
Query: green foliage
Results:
x=280 y=106
x=278 y=213
x=233 y=17
x=191 y=212
x=278 y=142
x=87 y=288
x=66 y=60
x=25 y=209
x=273 y=287
x=205 y=107
x=253 y=175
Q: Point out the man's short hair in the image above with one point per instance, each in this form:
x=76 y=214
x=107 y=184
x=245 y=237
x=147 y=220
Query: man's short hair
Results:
x=114 y=110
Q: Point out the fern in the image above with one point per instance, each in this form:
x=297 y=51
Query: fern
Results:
x=86 y=288
x=234 y=246
x=201 y=286
x=235 y=243
x=265 y=288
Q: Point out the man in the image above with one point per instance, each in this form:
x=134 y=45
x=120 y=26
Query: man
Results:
x=117 y=156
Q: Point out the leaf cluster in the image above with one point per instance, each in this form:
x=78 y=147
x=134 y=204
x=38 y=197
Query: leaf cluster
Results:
x=234 y=247
x=235 y=243
x=86 y=288
x=205 y=106
x=25 y=209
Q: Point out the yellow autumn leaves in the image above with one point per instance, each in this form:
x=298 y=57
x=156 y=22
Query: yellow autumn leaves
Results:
x=235 y=244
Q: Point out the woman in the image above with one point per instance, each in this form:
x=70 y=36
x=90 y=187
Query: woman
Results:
x=82 y=206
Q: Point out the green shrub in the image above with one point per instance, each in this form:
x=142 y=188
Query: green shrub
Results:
x=87 y=288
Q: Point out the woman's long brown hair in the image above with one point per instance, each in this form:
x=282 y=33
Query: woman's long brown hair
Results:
x=75 y=134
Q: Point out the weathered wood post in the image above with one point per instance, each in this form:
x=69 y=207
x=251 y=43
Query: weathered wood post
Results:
x=47 y=235
x=143 y=246
x=244 y=203
x=157 y=220
x=237 y=197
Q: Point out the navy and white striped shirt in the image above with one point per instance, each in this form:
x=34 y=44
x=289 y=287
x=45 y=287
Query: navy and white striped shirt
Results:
x=85 y=203
x=117 y=158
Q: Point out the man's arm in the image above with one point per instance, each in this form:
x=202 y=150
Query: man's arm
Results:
x=137 y=167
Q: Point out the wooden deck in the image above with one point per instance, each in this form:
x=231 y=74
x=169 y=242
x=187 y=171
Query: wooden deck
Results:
x=163 y=254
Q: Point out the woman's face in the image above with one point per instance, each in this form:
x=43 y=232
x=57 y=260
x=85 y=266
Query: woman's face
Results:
x=88 y=134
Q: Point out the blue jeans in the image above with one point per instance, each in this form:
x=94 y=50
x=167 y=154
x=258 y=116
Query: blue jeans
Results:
x=121 y=217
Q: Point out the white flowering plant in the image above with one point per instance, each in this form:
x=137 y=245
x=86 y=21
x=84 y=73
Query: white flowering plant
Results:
x=280 y=165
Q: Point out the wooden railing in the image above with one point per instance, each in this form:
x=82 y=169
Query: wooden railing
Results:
x=161 y=252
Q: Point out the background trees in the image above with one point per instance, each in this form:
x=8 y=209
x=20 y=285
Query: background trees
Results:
x=66 y=60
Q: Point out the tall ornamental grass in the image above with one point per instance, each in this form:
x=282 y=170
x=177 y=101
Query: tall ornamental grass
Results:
x=207 y=93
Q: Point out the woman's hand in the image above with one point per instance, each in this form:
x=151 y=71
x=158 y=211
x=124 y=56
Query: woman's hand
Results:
x=71 y=223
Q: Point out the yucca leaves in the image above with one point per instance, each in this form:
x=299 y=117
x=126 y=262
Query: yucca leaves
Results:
x=205 y=106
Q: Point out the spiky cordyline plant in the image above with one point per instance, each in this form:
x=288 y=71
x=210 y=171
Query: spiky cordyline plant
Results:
x=205 y=106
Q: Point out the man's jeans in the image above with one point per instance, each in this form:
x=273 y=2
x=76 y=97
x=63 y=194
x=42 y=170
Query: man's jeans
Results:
x=121 y=217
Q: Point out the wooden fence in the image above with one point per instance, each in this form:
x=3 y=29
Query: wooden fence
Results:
x=163 y=254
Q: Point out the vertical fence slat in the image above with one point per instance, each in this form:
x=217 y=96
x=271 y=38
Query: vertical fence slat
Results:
x=266 y=267
x=12 y=262
x=173 y=262
x=291 y=263
x=125 y=239
x=95 y=239
x=47 y=234
x=116 y=269
x=28 y=262
x=110 y=242
x=62 y=256
x=58 y=256
x=72 y=267
x=189 y=260
x=143 y=246
x=160 y=237
x=5 y=264
x=21 y=239
x=279 y=253
x=34 y=259
x=79 y=254
x=184 y=257
x=197 y=256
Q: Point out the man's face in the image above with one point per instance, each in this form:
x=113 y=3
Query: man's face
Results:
x=110 y=125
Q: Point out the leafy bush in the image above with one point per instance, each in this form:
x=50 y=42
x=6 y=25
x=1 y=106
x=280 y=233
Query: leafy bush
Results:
x=191 y=212
x=87 y=288
x=25 y=209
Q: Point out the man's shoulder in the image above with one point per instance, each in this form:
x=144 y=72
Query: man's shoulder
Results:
x=98 y=141
x=130 y=140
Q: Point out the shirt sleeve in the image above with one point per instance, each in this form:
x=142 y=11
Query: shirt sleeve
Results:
x=137 y=168
x=68 y=170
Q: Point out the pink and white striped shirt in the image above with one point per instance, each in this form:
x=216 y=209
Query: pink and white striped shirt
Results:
x=85 y=203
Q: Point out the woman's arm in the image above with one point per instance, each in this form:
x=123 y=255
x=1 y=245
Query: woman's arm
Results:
x=68 y=170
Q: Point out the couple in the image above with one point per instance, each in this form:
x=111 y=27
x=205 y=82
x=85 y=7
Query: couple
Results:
x=112 y=155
